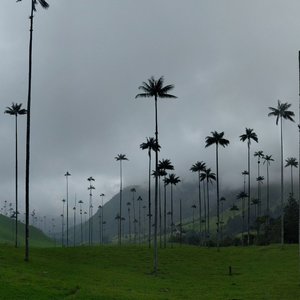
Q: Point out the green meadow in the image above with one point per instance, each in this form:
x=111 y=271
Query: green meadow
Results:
x=186 y=272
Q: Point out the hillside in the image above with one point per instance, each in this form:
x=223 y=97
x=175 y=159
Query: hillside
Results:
x=188 y=192
x=7 y=234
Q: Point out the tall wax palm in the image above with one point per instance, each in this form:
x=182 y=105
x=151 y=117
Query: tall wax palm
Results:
x=260 y=155
x=209 y=177
x=245 y=173
x=149 y=145
x=102 y=215
x=67 y=193
x=16 y=110
x=259 y=180
x=45 y=5
x=194 y=208
x=293 y=163
x=91 y=188
x=139 y=199
x=120 y=158
x=155 y=88
x=133 y=191
x=267 y=161
x=164 y=165
x=248 y=136
x=81 y=232
x=241 y=196
x=199 y=167
x=222 y=200
x=129 y=219
x=281 y=113
x=217 y=139
x=172 y=179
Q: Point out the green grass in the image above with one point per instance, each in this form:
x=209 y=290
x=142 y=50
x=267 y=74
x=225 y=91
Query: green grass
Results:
x=186 y=272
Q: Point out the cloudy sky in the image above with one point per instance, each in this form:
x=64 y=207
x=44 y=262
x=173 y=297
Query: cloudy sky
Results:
x=229 y=61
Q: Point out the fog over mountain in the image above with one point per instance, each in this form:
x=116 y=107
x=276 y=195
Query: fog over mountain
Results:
x=229 y=61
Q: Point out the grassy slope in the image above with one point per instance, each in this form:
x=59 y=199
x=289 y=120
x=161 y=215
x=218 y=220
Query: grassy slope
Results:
x=185 y=273
x=7 y=234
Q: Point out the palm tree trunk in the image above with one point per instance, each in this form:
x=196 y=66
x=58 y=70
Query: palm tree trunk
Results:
x=120 y=206
x=292 y=183
x=28 y=139
x=205 y=213
x=149 y=201
x=160 y=216
x=165 y=214
x=207 y=195
x=218 y=199
x=281 y=185
x=16 y=241
x=249 y=195
x=172 y=219
x=156 y=193
x=129 y=224
x=200 y=212
x=268 y=195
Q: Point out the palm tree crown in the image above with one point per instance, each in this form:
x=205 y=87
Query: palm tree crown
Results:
x=208 y=175
x=43 y=3
x=165 y=164
x=249 y=135
x=150 y=144
x=281 y=111
x=216 y=138
x=291 y=162
x=155 y=88
x=199 y=166
x=15 y=110
x=121 y=157
x=268 y=159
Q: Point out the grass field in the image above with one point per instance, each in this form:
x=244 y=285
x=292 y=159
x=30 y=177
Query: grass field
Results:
x=186 y=272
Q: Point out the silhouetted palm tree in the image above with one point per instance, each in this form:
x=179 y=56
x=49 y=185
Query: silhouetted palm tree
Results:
x=222 y=200
x=63 y=223
x=194 y=208
x=133 y=191
x=67 y=193
x=209 y=177
x=199 y=167
x=241 y=196
x=259 y=180
x=120 y=158
x=81 y=232
x=45 y=5
x=267 y=161
x=293 y=163
x=245 y=173
x=129 y=220
x=102 y=215
x=15 y=110
x=172 y=180
x=248 y=136
x=281 y=113
x=150 y=145
x=139 y=199
x=217 y=139
x=164 y=165
x=155 y=88
x=91 y=188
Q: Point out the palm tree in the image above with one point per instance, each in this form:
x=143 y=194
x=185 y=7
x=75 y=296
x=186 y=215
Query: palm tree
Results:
x=164 y=165
x=133 y=191
x=155 y=88
x=199 y=167
x=150 y=145
x=245 y=173
x=74 y=223
x=172 y=180
x=120 y=158
x=67 y=189
x=129 y=220
x=194 y=208
x=281 y=113
x=222 y=200
x=209 y=177
x=139 y=199
x=63 y=222
x=241 y=196
x=45 y=5
x=102 y=215
x=248 y=136
x=259 y=180
x=80 y=209
x=293 y=163
x=217 y=139
x=15 y=110
x=91 y=188
x=267 y=161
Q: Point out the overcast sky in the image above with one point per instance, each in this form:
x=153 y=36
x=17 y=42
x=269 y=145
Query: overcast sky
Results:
x=229 y=61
